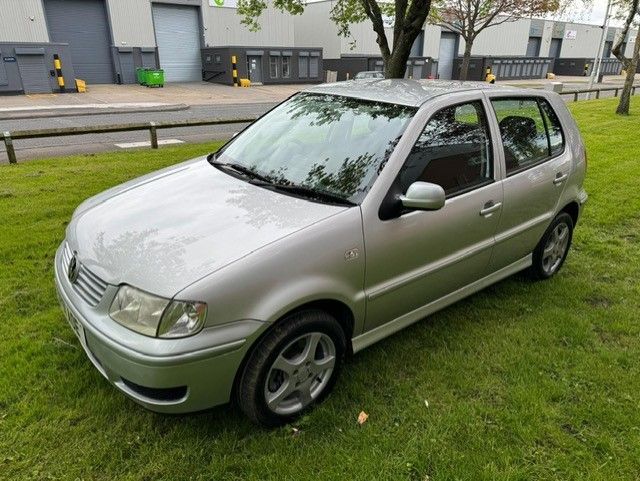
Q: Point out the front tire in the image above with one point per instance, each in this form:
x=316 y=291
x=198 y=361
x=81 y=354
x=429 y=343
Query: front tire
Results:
x=551 y=252
x=294 y=367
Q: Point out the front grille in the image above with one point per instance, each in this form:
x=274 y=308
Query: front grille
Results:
x=88 y=286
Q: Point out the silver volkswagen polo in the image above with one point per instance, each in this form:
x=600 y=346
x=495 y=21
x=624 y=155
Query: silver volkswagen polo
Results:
x=345 y=214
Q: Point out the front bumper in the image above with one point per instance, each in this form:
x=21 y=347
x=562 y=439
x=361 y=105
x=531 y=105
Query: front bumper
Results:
x=164 y=375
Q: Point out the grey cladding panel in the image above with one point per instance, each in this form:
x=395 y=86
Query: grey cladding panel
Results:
x=83 y=24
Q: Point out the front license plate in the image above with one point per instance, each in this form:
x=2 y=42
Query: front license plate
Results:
x=74 y=323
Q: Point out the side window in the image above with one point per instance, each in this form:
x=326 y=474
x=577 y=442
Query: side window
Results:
x=556 y=136
x=524 y=131
x=453 y=151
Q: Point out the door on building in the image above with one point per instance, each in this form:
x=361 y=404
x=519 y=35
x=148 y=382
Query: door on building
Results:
x=84 y=25
x=446 y=55
x=555 y=47
x=33 y=72
x=533 y=46
x=177 y=30
x=254 y=66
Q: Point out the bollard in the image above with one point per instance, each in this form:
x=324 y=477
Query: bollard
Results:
x=11 y=153
x=153 y=133
x=234 y=71
x=57 y=64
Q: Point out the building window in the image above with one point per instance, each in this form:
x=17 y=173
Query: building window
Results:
x=286 y=67
x=313 y=67
x=273 y=66
x=303 y=65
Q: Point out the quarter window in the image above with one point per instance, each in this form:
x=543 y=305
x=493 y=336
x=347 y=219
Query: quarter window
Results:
x=453 y=151
x=530 y=131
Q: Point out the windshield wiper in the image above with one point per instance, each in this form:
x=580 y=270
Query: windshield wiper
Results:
x=305 y=191
x=240 y=169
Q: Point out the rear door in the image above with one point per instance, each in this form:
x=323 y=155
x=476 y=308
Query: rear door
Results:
x=537 y=166
x=417 y=257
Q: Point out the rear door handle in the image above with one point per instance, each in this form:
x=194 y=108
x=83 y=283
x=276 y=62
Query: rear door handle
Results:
x=489 y=208
x=560 y=178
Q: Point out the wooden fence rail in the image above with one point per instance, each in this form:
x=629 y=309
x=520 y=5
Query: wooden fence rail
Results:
x=152 y=127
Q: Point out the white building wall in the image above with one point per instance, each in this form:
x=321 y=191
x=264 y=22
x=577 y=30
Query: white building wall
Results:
x=431 y=47
x=22 y=21
x=585 y=43
x=131 y=23
x=314 y=28
x=223 y=27
x=547 y=35
x=509 y=38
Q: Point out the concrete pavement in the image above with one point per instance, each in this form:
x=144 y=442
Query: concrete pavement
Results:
x=100 y=99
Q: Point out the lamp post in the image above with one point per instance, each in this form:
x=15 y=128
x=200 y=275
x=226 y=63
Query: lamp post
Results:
x=597 y=62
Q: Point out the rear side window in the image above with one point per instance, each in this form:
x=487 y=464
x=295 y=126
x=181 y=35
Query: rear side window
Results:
x=453 y=151
x=530 y=131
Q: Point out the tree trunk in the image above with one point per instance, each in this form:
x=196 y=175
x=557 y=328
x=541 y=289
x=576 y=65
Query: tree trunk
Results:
x=631 y=67
x=466 y=59
x=396 y=65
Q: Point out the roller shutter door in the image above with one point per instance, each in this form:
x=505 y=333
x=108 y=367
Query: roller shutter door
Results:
x=34 y=73
x=178 y=38
x=83 y=24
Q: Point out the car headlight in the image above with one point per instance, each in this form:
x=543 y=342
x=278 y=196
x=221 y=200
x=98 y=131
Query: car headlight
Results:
x=156 y=316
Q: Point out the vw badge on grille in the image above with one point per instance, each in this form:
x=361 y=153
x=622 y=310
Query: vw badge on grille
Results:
x=74 y=269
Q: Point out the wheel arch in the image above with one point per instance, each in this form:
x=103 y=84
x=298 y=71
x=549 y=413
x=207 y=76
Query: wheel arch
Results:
x=338 y=309
x=573 y=209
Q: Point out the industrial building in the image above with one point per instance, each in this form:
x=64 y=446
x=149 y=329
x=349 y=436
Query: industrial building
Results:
x=524 y=48
x=104 y=41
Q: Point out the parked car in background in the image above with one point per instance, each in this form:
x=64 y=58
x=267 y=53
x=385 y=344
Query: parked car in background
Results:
x=372 y=74
x=345 y=214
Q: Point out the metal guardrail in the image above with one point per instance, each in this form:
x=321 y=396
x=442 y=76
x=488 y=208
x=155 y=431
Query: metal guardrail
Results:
x=616 y=90
x=152 y=127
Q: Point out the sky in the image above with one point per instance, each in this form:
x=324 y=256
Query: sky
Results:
x=593 y=14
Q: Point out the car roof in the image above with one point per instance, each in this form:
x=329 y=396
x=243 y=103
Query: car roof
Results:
x=402 y=91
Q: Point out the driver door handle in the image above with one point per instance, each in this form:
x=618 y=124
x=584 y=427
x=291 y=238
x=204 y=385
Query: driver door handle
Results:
x=560 y=178
x=489 y=208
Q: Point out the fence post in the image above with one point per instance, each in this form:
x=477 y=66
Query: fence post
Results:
x=598 y=94
x=575 y=96
x=154 y=135
x=633 y=90
x=8 y=142
x=615 y=94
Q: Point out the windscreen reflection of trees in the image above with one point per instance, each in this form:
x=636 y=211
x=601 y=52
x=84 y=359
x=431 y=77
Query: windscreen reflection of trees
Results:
x=329 y=143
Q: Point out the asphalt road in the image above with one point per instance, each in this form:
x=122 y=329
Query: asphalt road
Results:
x=79 y=144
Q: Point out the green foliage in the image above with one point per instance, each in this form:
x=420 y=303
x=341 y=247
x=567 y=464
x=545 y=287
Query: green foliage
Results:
x=523 y=381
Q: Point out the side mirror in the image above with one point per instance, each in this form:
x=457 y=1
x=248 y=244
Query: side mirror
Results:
x=423 y=196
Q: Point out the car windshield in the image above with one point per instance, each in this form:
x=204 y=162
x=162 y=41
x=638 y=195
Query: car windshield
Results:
x=326 y=143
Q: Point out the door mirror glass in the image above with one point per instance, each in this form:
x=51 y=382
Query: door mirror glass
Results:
x=423 y=196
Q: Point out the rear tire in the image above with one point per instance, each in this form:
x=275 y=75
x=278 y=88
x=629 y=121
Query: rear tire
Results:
x=294 y=367
x=551 y=252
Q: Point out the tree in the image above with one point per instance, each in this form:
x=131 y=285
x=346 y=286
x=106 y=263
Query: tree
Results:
x=469 y=18
x=629 y=64
x=408 y=16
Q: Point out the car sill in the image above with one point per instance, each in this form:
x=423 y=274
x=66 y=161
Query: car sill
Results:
x=375 y=335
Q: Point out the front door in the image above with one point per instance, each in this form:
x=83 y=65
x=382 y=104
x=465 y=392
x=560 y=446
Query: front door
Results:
x=254 y=63
x=418 y=257
x=536 y=168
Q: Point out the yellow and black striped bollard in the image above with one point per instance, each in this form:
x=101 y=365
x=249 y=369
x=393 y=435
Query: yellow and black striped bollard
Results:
x=234 y=70
x=57 y=63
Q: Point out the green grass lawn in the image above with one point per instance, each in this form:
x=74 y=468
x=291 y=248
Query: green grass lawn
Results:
x=523 y=380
